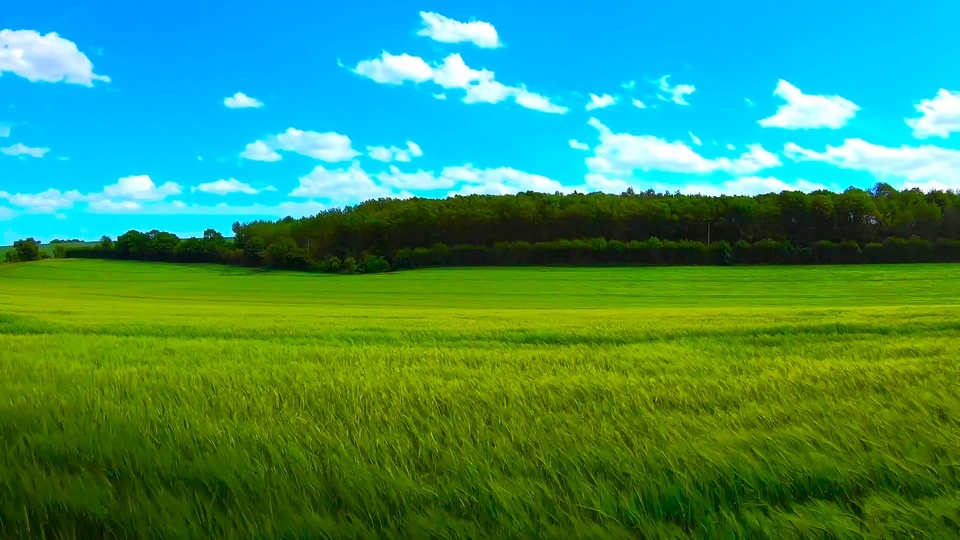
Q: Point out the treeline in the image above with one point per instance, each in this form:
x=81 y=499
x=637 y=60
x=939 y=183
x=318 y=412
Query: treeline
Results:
x=856 y=226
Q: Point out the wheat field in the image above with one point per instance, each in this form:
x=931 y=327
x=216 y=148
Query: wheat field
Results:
x=144 y=400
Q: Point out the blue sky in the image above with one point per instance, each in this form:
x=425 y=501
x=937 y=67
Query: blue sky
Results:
x=187 y=115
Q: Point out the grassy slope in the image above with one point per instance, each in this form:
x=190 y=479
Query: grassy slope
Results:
x=707 y=402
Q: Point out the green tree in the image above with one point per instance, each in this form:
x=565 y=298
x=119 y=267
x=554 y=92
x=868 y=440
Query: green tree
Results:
x=27 y=249
x=59 y=251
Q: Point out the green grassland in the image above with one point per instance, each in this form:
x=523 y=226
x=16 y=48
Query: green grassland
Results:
x=154 y=400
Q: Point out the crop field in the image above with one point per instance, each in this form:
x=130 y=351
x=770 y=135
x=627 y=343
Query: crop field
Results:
x=144 y=400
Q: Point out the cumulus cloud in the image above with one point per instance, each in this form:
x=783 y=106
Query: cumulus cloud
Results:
x=537 y=102
x=419 y=180
x=639 y=104
x=48 y=58
x=696 y=140
x=674 y=93
x=352 y=183
x=107 y=206
x=382 y=153
x=479 y=85
x=259 y=151
x=577 y=145
x=295 y=209
x=940 y=116
x=46 y=202
x=140 y=188
x=806 y=111
x=752 y=185
x=226 y=187
x=447 y=30
x=242 y=101
x=395 y=69
x=20 y=149
x=914 y=166
x=600 y=102
x=499 y=181
x=623 y=153
x=330 y=147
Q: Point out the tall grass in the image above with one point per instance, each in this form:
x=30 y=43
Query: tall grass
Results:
x=154 y=401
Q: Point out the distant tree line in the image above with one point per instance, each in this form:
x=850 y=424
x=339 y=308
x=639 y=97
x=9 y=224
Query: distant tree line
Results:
x=855 y=226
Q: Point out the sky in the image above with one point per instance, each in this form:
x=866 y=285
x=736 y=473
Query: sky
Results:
x=183 y=116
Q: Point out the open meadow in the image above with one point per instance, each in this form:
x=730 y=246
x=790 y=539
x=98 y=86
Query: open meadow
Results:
x=142 y=400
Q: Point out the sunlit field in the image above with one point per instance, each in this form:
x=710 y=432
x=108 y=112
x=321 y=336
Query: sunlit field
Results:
x=146 y=400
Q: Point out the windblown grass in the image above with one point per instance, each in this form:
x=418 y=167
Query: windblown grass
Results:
x=143 y=400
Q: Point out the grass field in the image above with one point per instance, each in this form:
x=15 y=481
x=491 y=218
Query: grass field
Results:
x=141 y=400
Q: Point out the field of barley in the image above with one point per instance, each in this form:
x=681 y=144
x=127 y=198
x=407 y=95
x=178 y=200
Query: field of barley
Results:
x=146 y=400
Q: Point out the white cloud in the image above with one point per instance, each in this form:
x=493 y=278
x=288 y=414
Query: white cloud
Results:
x=696 y=140
x=420 y=180
x=537 y=102
x=107 y=206
x=140 y=188
x=806 y=111
x=453 y=72
x=577 y=145
x=395 y=69
x=916 y=166
x=339 y=185
x=749 y=102
x=414 y=149
x=242 y=101
x=47 y=202
x=600 y=102
x=226 y=187
x=639 y=104
x=601 y=183
x=940 y=116
x=731 y=147
x=440 y=96
x=331 y=147
x=629 y=85
x=447 y=30
x=622 y=153
x=470 y=179
x=4 y=131
x=6 y=214
x=382 y=153
x=499 y=181
x=259 y=151
x=48 y=58
x=20 y=149
x=295 y=209
x=751 y=185
x=480 y=86
x=676 y=92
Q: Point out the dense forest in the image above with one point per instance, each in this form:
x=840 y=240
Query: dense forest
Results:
x=856 y=226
